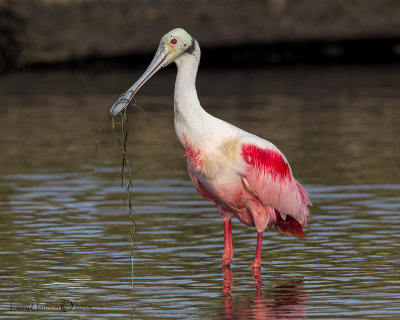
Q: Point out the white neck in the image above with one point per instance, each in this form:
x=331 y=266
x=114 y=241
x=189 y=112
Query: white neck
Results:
x=190 y=117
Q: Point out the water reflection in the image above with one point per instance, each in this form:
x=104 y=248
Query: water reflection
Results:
x=286 y=301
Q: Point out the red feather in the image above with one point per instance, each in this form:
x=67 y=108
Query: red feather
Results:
x=266 y=160
x=289 y=227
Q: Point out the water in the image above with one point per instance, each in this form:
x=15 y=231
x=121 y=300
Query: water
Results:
x=65 y=236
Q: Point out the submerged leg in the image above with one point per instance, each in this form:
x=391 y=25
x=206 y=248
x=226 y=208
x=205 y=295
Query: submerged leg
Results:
x=228 y=248
x=257 y=259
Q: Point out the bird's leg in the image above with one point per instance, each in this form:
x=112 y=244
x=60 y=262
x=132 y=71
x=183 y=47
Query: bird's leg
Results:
x=257 y=259
x=257 y=276
x=228 y=248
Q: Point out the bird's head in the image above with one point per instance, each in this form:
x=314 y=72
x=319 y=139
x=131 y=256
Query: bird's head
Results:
x=176 y=43
x=172 y=45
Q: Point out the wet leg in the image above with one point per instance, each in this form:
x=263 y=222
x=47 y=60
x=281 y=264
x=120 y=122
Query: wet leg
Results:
x=228 y=248
x=257 y=259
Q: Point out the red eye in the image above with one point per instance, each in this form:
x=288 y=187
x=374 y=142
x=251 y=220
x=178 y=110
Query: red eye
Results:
x=174 y=41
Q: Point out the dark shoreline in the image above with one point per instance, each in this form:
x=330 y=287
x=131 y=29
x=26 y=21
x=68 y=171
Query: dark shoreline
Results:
x=357 y=52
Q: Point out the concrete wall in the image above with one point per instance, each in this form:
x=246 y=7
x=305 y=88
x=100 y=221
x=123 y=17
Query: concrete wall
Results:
x=45 y=31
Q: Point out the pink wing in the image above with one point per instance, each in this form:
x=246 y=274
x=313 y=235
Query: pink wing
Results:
x=268 y=176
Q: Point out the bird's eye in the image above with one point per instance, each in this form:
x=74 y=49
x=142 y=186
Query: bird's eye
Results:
x=173 y=41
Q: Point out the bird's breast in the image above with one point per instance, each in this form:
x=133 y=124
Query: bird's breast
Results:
x=213 y=160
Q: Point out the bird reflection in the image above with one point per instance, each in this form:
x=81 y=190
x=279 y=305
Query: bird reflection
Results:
x=286 y=301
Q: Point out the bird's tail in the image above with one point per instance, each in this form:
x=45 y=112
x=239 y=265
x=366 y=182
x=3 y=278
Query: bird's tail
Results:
x=289 y=227
x=305 y=202
x=304 y=194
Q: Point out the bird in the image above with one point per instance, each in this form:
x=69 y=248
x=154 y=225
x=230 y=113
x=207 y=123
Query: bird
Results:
x=246 y=176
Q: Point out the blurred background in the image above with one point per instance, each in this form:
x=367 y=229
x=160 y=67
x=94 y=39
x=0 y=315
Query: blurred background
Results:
x=320 y=79
x=43 y=32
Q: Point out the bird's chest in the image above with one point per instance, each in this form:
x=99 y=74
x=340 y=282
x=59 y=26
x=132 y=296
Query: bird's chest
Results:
x=203 y=162
x=212 y=148
x=214 y=161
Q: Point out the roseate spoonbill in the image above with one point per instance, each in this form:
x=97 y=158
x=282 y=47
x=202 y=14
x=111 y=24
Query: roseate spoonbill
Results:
x=246 y=176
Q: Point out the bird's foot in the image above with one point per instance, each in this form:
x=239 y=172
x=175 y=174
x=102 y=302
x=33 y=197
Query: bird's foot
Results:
x=226 y=259
x=256 y=263
x=226 y=262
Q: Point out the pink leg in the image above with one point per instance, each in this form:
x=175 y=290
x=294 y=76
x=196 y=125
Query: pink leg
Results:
x=228 y=248
x=257 y=259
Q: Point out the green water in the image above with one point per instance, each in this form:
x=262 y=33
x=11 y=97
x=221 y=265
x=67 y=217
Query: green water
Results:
x=65 y=236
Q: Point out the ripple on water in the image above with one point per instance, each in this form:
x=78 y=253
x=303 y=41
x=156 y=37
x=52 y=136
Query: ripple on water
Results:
x=67 y=235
